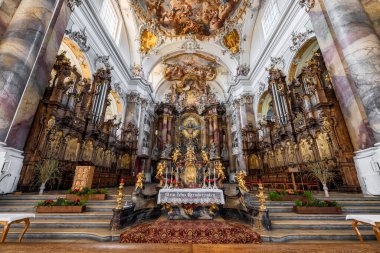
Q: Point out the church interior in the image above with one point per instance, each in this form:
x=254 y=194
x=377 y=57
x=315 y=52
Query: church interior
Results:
x=190 y=126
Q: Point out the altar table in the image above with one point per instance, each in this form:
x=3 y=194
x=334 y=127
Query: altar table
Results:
x=372 y=220
x=191 y=196
x=7 y=219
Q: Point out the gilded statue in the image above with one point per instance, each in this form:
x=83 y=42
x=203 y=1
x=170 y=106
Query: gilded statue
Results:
x=148 y=41
x=220 y=174
x=160 y=172
x=190 y=169
x=240 y=179
x=176 y=154
x=140 y=181
x=205 y=157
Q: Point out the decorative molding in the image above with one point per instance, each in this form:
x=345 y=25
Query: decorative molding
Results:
x=80 y=37
x=191 y=44
x=276 y=62
x=308 y=4
x=243 y=70
x=137 y=70
x=72 y=3
x=104 y=59
x=298 y=39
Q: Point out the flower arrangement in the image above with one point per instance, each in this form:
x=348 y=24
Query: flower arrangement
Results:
x=317 y=203
x=87 y=191
x=61 y=202
x=281 y=194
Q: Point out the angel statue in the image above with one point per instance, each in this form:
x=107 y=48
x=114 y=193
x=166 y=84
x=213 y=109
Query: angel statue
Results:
x=205 y=157
x=220 y=174
x=240 y=179
x=140 y=181
x=176 y=154
x=160 y=172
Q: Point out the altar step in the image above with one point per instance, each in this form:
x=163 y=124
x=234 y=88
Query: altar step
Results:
x=94 y=223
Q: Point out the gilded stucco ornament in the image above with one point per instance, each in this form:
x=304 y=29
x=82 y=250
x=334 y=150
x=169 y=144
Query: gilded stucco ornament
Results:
x=148 y=41
x=232 y=41
x=308 y=4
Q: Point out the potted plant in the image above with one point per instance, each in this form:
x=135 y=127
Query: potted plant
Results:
x=61 y=206
x=86 y=194
x=316 y=206
x=47 y=170
x=323 y=172
x=289 y=195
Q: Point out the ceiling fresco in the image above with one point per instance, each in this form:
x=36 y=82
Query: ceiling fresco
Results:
x=183 y=17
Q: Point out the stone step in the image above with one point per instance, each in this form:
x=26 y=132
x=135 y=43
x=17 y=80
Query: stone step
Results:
x=343 y=203
x=67 y=223
x=285 y=235
x=294 y=216
x=105 y=235
x=316 y=224
x=32 y=203
x=43 y=197
x=89 y=208
x=96 y=234
x=351 y=209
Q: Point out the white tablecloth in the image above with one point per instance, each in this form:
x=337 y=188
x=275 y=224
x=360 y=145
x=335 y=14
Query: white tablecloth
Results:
x=10 y=217
x=191 y=196
x=370 y=219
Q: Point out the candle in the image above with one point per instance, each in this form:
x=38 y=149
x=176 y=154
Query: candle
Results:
x=214 y=179
x=209 y=177
x=122 y=181
x=171 y=177
x=166 y=176
x=204 y=178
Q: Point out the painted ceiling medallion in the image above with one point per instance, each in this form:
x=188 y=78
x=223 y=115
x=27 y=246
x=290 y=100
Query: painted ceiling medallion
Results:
x=232 y=41
x=148 y=41
x=183 y=17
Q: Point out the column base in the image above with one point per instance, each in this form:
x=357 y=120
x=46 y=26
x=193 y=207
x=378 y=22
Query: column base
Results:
x=367 y=163
x=148 y=177
x=232 y=177
x=11 y=161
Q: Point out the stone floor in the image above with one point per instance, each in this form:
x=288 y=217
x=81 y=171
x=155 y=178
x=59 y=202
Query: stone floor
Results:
x=81 y=247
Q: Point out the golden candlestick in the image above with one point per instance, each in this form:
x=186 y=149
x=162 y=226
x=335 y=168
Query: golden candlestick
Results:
x=261 y=196
x=120 y=196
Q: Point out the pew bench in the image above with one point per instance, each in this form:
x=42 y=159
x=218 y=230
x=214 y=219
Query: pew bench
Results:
x=7 y=219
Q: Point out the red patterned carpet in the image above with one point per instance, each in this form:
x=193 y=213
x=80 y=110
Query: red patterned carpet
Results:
x=194 y=231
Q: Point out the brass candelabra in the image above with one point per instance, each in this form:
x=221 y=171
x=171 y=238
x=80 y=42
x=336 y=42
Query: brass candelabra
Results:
x=261 y=196
x=120 y=196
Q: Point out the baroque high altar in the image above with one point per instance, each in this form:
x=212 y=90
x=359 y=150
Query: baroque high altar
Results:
x=191 y=114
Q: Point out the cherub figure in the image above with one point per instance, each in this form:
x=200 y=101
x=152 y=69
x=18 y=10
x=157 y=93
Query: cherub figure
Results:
x=140 y=181
x=240 y=179
x=220 y=174
x=160 y=172
x=205 y=156
x=175 y=155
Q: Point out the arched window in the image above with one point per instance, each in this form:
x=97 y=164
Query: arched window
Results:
x=110 y=19
x=270 y=17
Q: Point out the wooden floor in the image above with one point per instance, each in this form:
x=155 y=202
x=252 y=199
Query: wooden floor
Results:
x=320 y=247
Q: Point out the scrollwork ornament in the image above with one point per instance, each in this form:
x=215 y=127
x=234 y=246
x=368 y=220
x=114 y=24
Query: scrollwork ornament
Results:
x=72 y=3
x=308 y=4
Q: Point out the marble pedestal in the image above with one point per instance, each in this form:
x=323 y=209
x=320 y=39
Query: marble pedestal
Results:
x=367 y=163
x=11 y=161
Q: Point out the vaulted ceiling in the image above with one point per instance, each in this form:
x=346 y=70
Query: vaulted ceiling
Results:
x=213 y=29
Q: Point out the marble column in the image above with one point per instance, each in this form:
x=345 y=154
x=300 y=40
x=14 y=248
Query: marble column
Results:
x=164 y=129
x=216 y=131
x=351 y=50
x=210 y=130
x=132 y=109
x=23 y=49
x=7 y=10
x=27 y=53
x=169 y=134
x=360 y=47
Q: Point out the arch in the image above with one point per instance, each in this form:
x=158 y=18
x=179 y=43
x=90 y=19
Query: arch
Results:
x=265 y=105
x=76 y=57
x=302 y=56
